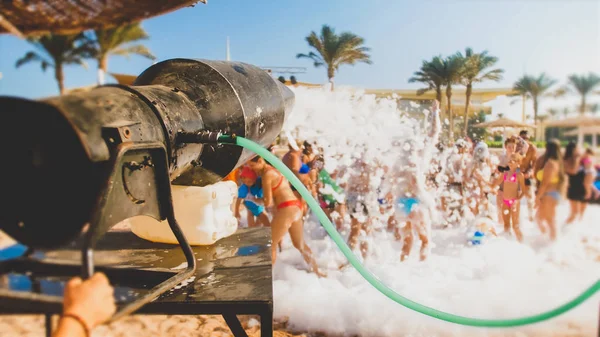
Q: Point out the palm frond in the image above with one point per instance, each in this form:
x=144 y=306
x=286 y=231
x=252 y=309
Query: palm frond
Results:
x=333 y=50
x=584 y=84
x=137 y=49
x=31 y=57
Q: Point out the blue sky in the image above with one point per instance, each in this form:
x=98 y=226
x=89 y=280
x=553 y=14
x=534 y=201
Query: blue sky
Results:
x=558 y=37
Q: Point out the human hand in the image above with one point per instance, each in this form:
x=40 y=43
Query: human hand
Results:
x=91 y=300
x=588 y=194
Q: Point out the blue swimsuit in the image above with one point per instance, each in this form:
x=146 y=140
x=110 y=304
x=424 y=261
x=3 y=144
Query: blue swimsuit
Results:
x=255 y=190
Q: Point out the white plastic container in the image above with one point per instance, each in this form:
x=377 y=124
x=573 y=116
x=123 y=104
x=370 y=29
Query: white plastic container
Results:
x=204 y=214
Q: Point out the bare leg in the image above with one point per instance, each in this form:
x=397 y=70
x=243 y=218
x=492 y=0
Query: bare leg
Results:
x=506 y=215
x=282 y=220
x=263 y=219
x=500 y=207
x=528 y=192
x=574 y=207
x=391 y=223
x=424 y=234
x=408 y=241
x=341 y=209
x=540 y=219
x=297 y=235
x=364 y=245
x=251 y=222
x=355 y=227
x=551 y=215
x=516 y=210
x=582 y=208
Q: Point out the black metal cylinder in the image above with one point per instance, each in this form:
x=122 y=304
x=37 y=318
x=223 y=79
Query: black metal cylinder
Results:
x=235 y=98
x=57 y=151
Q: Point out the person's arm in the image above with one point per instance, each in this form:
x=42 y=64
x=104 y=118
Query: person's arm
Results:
x=296 y=164
x=434 y=128
x=533 y=159
x=521 y=179
x=86 y=304
x=238 y=202
x=268 y=192
x=498 y=181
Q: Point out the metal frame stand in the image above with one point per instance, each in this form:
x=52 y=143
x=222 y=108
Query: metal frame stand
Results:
x=157 y=203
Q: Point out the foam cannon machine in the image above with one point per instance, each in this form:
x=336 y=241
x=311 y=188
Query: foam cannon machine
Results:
x=76 y=165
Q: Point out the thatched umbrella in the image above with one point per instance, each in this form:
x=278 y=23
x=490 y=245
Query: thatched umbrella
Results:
x=504 y=123
x=32 y=17
x=580 y=122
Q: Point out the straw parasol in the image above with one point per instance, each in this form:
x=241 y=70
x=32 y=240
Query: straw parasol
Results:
x=32 y=17
x=503 y=123
x=580 y=122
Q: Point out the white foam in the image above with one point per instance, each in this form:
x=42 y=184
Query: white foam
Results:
x=498 y=279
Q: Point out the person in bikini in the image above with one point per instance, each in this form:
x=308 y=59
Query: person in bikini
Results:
x=550 y=172
x=510 y=146
x=358 y=194
x=456 y=168
x=529 y=153
x=293 y=160
x=513 y=183
x=407 y=188
x=287 y=216
x=479 y=186
x=409 y=212
x=587 y=161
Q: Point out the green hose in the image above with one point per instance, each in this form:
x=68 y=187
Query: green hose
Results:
x=372 y=279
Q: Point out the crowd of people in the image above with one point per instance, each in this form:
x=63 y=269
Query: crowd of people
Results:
x=425 y=185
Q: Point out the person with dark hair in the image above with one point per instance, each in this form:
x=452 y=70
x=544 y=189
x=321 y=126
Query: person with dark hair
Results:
x=287 y=216
x=552 y=179
x=513 y=183
x=591 y=192
x=293 y=159
x=331 y=195
x=527 y=166
x=576 y=175
x=510 y=147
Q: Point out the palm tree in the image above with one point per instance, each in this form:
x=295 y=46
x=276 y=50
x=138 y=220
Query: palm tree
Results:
x=431 y=79
x=476 y=70
x=534 y=88
x=56 y=51
x=552 y=112
x=449 y=70
x=119 y=41
x=584 y=85
x=334 y=50
x=542 y=118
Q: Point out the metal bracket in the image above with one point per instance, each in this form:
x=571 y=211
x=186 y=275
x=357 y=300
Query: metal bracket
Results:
x=113 y=206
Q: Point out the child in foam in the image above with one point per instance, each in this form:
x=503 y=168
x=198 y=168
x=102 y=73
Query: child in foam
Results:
x=513 y=183
x=251 y=192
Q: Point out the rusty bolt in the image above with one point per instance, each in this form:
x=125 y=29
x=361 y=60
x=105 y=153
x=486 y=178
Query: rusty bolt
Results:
x=127 y=132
